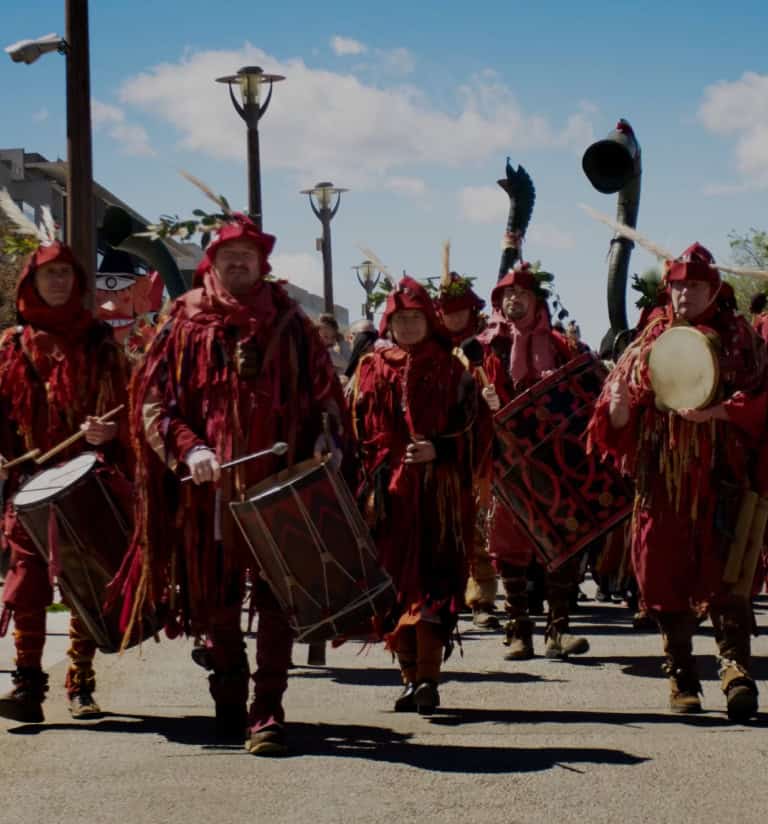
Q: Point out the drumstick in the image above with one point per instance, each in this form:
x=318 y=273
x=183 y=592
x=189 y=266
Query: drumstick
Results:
x=277 y=448
x=473 y=350
x=27 y=456
x=76 y=437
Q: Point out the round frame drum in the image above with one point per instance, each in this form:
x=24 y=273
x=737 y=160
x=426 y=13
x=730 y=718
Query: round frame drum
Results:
x=684 y=369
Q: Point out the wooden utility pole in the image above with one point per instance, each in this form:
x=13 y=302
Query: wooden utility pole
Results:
x=81 y=218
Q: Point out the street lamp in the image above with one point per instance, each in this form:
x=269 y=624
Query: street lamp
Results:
x=320 y=199
x=250 y=79
x=365 y=272
x=80 y=219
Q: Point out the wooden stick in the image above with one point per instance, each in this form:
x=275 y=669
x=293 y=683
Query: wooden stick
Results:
x=483 y=377
x=278 y=448
x=27 y=456
x=72 y=439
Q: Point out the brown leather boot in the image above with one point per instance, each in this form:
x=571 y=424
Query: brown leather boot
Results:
x=677 y=629
x=25 y=701
x=561 y=644
x=684 y=691
x=519 y=639
x=740 y=692
x=732 y=623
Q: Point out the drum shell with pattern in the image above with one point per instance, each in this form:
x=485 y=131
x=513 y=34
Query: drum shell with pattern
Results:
x=92 y=508
x=315 y=551
x=563 y=497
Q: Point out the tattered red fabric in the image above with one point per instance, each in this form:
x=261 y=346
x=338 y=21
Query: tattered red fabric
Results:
x=241 y=227
x=422 y=515
x=187 y=393
x=686 y=473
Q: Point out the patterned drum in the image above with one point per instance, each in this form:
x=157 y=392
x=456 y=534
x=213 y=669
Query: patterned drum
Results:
x=563 y=497
x=315 y=551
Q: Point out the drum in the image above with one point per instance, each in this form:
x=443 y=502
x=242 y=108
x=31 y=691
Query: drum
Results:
x=563 y=497
x=78 y=518
x=684 y=369
x=315 y=552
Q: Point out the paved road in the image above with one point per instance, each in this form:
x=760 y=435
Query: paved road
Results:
x=533 y=741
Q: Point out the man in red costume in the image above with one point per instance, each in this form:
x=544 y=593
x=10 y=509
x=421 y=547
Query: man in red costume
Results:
x=521 y=348
x=237 y=367
x=683 y=463
x=59 y=368
x=458 y=307
x=414 y=409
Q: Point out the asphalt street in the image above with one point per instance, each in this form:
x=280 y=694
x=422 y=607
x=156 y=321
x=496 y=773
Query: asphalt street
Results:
x=535 y=741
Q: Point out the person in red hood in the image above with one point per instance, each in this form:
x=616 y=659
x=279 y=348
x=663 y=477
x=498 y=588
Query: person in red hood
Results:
x=236 y=367
x=459 y=308
x=687 y=465
x=521 y=347
x=414 y=410
x=59 y=369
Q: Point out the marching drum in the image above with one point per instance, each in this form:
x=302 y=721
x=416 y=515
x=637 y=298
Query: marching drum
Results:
x=315 y=552
x=563 y=497
x=693 y=386
x=77 y=515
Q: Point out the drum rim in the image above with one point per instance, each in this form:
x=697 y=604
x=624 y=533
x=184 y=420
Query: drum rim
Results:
x=692 y=332
x=22 y=507
x=281 y=479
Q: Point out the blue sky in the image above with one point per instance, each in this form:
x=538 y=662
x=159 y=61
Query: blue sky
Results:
x=414 y=108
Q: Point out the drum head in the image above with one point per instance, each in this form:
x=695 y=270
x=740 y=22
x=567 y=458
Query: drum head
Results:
x=49 y=483
x=684 y=369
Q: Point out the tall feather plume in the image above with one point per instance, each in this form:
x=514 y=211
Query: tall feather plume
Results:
x=522 y=195
x=373 y=257
x=665 y=254
x=445 y=279
x=47 y=226
x=24 y=226
x=207 y=191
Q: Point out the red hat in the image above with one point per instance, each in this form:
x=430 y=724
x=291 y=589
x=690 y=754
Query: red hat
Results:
x=521 y=276
x=409 y=294
x=458 y=295
x=696 y=263
x=241 y=227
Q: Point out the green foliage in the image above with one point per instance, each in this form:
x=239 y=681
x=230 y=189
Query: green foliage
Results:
x=379 y=296
x=750 y=249
x=648 y=285
x=18 y=246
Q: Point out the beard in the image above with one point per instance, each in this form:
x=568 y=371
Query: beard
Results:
x=515 y=311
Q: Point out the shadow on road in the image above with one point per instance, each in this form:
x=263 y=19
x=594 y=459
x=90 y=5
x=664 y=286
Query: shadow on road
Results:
x=386 y=677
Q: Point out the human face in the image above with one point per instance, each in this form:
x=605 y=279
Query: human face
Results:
x=456 y=321
x=327 y=335
x=690 y=298
x=517 y=303
x=238 y=266
x=409 y=327
x=54 y=282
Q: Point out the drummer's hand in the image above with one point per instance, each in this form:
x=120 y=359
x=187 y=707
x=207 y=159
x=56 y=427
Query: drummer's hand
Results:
x=420 y=452
x=618 y=405
x=203 y=466
x=321 y=450
x=716 y=412
x=3 y=475
x=97 y=433
x=547 y=372
x=491 y=398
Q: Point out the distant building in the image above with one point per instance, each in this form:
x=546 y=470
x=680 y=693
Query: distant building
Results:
x=314 y=305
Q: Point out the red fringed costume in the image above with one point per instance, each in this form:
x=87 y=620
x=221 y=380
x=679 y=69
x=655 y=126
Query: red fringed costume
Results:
x=689 y=475
x=421 y=514
x=188 y=558
x=56 y=368
x=517 y=355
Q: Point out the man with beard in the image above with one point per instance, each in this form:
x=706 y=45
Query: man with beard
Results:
x=59 y=369
x=521 y=348
x=237 y=367
x=686 y=465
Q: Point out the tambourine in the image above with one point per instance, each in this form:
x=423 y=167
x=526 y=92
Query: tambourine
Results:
x=684 y=369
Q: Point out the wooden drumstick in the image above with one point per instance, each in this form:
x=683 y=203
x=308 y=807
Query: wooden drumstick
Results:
x=278 y=448
x=27 y=456
x=51 y=453
x=473 y=351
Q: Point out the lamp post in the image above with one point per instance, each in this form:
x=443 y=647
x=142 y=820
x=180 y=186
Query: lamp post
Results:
x=365 y=272
x=320 y=199
x=250 y=79
x=80 y=218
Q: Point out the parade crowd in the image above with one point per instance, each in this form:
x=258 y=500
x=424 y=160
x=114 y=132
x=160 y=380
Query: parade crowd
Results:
x=421 y=420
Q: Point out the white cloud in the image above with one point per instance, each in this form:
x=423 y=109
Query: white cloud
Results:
x=133 y=140
x=345 y=46
x=740 y=108
x=483 y=204
x=41 y=115
x=398 y=61
x=331 y=125
x=299 y=268
x=408 y=186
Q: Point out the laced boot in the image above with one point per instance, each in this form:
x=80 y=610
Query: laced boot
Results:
x=519 y=639
x=740 y=692
x=25 y=701
x=80 y=685
x=560 y=643
x=483 y=617
x=684 y=691
x=677 y=631
x=732 y=624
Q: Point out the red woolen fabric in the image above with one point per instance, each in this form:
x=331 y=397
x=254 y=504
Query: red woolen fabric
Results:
x=695 y=263
x=241 y=227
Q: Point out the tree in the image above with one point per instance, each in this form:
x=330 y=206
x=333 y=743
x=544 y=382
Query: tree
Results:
x=10 y=268
x=748 y=249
